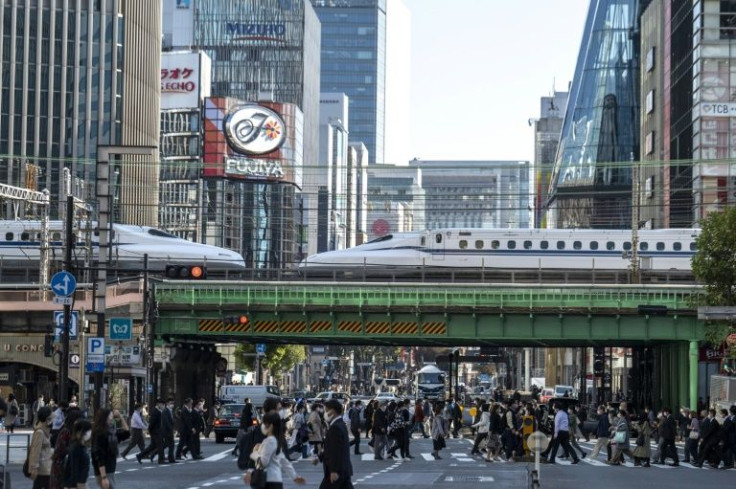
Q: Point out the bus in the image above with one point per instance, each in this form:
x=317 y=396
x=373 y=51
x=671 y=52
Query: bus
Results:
x=429 y=383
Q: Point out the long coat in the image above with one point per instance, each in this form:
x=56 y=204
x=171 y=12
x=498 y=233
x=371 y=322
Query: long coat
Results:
x=645 y=435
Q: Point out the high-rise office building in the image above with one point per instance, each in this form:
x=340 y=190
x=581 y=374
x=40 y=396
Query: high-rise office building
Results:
x=265 y=52
x=591 y=180
x=365 y=46
x=78 y=75
x=546 y=141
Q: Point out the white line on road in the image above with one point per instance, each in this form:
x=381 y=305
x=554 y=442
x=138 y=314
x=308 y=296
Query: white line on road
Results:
x=428 y=457
x=218 y=456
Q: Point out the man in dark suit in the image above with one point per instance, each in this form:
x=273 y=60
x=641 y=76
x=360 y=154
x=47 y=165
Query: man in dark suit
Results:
x=154 y=429
x=186 y=429
x=336 y=456
x=167 y=431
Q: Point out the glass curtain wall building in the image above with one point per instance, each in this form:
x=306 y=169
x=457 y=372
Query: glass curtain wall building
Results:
x=591 y=180
x=354 y=62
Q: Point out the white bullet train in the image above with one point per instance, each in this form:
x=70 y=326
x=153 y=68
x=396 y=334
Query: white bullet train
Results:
x=511 y=249
x=20 y=246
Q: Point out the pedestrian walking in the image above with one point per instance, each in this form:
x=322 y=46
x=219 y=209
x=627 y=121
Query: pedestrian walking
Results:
x=643 y=451
x=168 y=426
x=562 y=435
x=12 y=416
x=154 y=429
x=574 y=430
x=316 y=428
x=35 y=407
x=105 y=440
x=40 y=451
x=370 y=410
x=439 y=432
x=482 y=426
x=380 y=430
x=137 y=425
x=693 y=437
x=186 y=429
x=270 y=455
x=419 y=419
x=668 y=432
x=338 y=470
x=246 y=422
x=198 y=426
x=354 y=415
x=58 y=423
x=76 y=470
x=255 y=436
x=63 y=442
x=621 y=438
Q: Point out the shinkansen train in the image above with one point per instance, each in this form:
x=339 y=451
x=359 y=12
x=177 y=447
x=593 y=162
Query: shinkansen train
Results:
x=20 y=244
x=517 y=249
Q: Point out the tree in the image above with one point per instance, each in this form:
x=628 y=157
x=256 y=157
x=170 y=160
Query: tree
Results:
x=714 y=264
x=279 y=359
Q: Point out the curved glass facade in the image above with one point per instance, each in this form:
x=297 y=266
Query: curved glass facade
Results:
x=591 y=181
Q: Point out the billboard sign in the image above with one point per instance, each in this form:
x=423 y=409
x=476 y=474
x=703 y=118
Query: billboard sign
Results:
x=252 y=141
x=184 y=79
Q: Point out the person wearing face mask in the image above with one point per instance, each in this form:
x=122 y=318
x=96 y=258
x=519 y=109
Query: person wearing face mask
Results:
x=316 y=428
x=198 y=425
x=137 y=425
x=76 y=470
x=62 y=447
x=105 y=440
x=167 y=431
x=380 y=429
x=336 y=454
x=39 y=457
x=271 y=454
x=254 y=436
x=154 y=429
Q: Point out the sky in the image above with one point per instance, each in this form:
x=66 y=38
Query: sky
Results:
x=478 y=70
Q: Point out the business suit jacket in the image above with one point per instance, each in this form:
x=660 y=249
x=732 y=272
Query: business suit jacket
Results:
x=336 y=456
x=167 y=423
x=154 y=423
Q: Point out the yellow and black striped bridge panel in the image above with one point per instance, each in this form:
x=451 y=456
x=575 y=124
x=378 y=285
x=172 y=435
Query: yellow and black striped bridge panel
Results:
x=320 y=326
x=378 y=327
x=294 y=327
x=237 y=327
x=438 y=328
x=266 y=327
x=405 y=328
x=210 y=325
x=350 y=327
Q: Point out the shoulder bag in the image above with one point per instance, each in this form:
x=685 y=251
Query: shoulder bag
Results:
x=258 y=476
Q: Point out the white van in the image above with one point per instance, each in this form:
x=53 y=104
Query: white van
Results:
x=256 y=393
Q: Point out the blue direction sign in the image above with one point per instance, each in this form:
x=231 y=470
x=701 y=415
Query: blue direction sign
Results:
x=261 y=348
x=121 y=329
x=59 y=325
x=63 y=284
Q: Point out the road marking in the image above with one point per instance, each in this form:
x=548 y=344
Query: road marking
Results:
x=597 y=463
x=464 y=459
x=218 y=456
x=221 y=481
x=131 y=470
x=235 y=478
x=459 y=455
x=428 y=457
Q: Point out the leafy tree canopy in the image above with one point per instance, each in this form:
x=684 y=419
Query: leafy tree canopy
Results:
x=279 y=359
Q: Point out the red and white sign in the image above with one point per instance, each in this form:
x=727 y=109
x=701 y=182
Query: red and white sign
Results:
x=184 y=79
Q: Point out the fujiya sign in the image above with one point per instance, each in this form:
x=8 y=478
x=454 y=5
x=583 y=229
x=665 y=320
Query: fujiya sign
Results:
x=254 y=168
x=255 y=130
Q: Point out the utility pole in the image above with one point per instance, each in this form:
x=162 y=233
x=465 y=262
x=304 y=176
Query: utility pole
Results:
x=635 y=215
x=69 y=243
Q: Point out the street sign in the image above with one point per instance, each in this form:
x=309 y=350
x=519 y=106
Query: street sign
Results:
x=59 y=325
x=537 y=441
x=261 y=348
x=74 y=360
x=63 y=301
x=121 y=329
x=95 y=354
x=63 y=283
x=325 y=362
x=123 y=355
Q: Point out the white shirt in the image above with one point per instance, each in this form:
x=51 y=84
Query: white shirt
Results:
x=137 y=421
x=273 y=463
x=58 y=419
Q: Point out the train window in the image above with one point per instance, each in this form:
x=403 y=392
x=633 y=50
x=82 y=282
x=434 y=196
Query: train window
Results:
x=495 y=244
x=693 y=246
x=56 y=237
x=511 y=245
x=423 y=241
x=544 y=245
x=577 y=245
x=560 y=245
x=643 y=246
x=478 y=244
x=527 y=245
x=610 y=246
x=627 y=245
x=465 y=233
x=160 y=234
x=24 y=236
x=438 y=238
x=463 y=244
x=677 y=246
x=660 y=246
x=8 y=236
x=594 y=245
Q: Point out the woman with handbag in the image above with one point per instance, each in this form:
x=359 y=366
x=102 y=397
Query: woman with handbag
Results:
x=270 y=458
x=643 y=451
x=12 y=416
x=40 y=452
x=693 y=437
x=621 y=438
x=439 y=432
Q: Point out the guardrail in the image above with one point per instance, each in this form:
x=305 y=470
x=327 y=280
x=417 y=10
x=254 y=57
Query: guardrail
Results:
x=8 y=439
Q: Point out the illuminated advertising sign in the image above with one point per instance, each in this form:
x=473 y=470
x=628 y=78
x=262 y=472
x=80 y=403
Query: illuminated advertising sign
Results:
x=252 y=141
x=184 y=79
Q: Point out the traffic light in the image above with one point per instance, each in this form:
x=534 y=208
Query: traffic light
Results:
x=240 y=319
x=186 y=272
x=599 y=360
x=48 y=345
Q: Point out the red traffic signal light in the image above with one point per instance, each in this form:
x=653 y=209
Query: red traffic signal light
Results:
x=186 y=272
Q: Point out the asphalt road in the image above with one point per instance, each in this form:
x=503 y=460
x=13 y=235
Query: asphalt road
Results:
x=457 y=469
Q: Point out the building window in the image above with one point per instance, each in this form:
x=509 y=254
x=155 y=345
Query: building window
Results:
x=650 y=59
x=463 y=244
x=728 y=19
x=660 y=246
x=511 y=245
x=527 y=245
x=495 y=244
x=649 y=187
x=594 y=245
x=544 y=245
x=649 y=104
x=649 y=143
x=560 y=245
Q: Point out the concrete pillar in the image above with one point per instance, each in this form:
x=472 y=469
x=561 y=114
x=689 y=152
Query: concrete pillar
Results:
x=683 y=375
x=693 y=375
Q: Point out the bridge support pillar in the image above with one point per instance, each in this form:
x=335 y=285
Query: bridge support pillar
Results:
x=694 y=375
